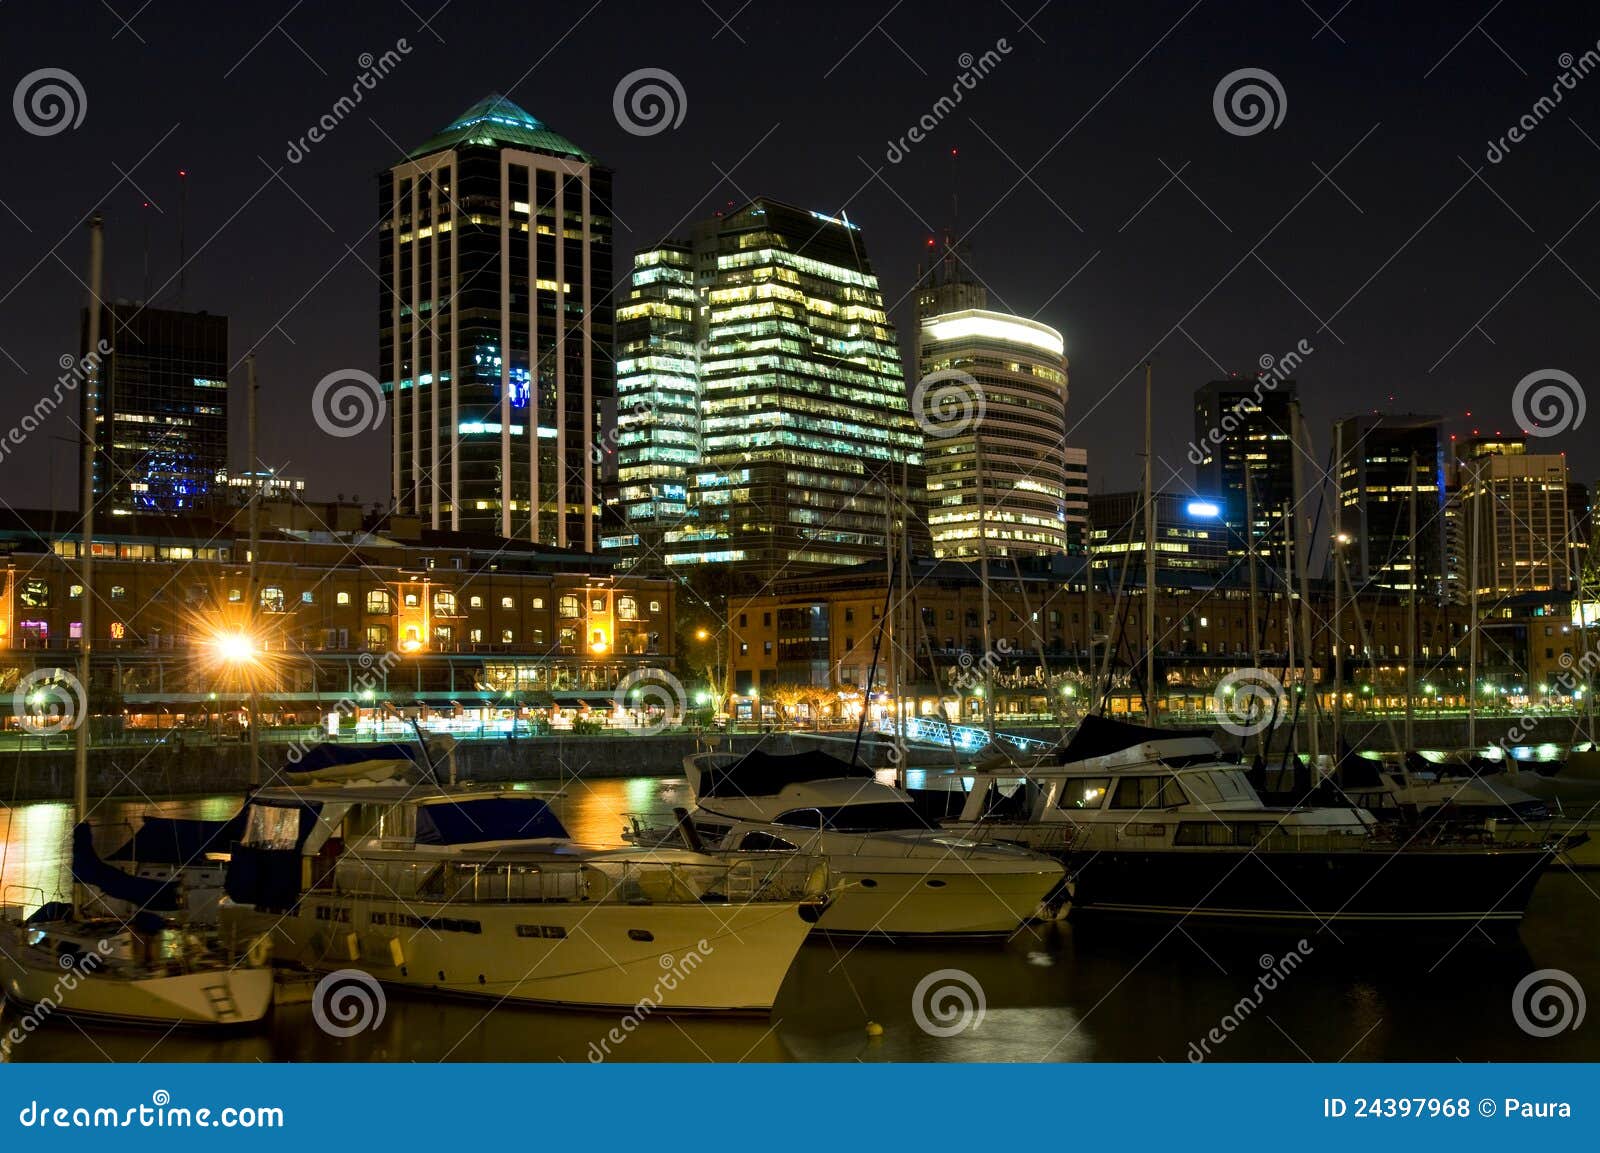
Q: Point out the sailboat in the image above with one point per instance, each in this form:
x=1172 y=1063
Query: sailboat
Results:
x=138 y=970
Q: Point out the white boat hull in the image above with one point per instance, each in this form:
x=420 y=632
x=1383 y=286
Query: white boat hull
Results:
x=898 y=902
x=673 y=958
x=210 y=997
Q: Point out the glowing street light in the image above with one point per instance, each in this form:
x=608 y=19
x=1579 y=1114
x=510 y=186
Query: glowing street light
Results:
x=234 y=647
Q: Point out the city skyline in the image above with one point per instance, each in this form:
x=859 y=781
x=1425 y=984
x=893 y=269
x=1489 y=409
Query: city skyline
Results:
x=1378 y=224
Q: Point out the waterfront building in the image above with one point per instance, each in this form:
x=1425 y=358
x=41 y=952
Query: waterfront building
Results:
x=495 y=327
x=1075 y=478
x=1388 y=457
x=162 y=420
x=1243 y=427
x=997 y=459
x=1190 y=532
x=452 y=622
x=1518 y=501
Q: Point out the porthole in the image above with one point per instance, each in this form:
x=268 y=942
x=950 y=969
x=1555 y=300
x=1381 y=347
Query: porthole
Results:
x=868 y=883
x=936 y=884
x=641 y=935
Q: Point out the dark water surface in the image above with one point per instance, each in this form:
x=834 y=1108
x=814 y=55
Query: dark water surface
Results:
x=1096 y=992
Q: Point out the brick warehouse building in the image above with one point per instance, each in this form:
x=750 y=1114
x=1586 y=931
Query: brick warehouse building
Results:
x=464 y=620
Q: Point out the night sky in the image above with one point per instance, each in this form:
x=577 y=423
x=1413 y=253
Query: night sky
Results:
x=1097 y=188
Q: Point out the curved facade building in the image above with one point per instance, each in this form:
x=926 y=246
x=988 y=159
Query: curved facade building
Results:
x=1020 y=425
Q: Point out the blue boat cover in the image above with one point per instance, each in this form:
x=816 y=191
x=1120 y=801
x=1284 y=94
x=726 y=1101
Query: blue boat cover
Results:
x=89 y=869
x=329 y=755
x=179 y=840
x=763 y=774
x=487 y=819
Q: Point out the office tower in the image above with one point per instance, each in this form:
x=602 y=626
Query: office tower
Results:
x=1387 y=457
x=1244 y=421
x=1075 y=474
x=162 y=430
x=1190 y=533
x=1516 y=503
x=658 y=398
x=995 y=457
x=495 y=327
x=807 y=438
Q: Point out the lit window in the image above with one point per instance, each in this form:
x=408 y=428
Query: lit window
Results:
x=444 y=603
x=75 y=591
x=308 y=597
x=118 y=631
x=235 y=596
x=118 y=592
x=655 y=606
x=597 y=604
x=538 y=602
x=507 y=603
x=627 y=608
x=272 y=599
x=507 y=636
x=569 y=606
x=378 y=600
x=341 y=598
x=476 y=602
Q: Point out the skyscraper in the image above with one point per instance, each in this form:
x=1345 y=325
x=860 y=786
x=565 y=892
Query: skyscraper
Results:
x=162 y=429
x=1075 y=473
x=1516 y=503
x=1388 y=457
x=495 y=327
x=995 y=459
x=1242 y=422
x=658 y=397
x=806 y=433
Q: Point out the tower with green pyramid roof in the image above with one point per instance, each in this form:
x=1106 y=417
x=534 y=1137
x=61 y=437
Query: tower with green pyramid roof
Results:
x=495 y=324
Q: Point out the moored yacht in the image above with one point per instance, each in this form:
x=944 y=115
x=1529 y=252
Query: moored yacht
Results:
x=1156 y=823
x=895 y=873
x=480 y=893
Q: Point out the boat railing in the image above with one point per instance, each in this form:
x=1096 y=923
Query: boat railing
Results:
x=776 y=876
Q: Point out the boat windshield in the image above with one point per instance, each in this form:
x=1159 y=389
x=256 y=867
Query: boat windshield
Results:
x=1219 y=785
x=872 y=817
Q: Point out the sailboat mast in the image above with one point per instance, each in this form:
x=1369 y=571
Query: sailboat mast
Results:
x=1250 y=561
x=1303 y=557
x=1338 y=601
x=1411 y=618
x=80 y=751
x=983 y=580
x=253 y=473
x=1149 y=558
x=1472 y=616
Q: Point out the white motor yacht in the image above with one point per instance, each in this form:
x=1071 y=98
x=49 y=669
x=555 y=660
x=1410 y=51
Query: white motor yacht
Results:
x=480 y=893
x=895 y=873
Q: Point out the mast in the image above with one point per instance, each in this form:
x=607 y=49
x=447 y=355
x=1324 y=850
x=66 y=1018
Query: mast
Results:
x=1250 y=561
x=80 y=748
x=1149 y=559
x=1472 y=618
x=1411 y=619
x=1338 y=601
x=1288 y=586
x=255 y=555
x=1303 y=556
x=1582 y=666
x=983 y=580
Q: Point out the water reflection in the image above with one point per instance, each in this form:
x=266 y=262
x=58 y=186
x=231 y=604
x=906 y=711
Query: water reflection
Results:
x=1058 y=992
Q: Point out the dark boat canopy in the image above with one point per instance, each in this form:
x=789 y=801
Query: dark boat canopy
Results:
x=179 y=840
x=1099 y=736
x=330 y=755
x=475 y=820
x=144 y=892
x=759 y=774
